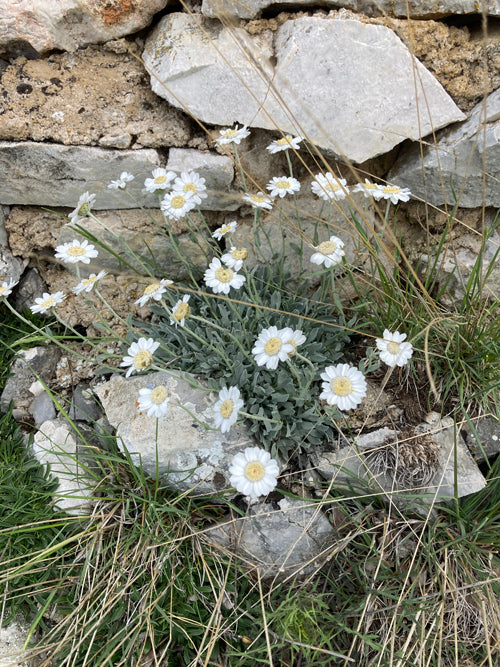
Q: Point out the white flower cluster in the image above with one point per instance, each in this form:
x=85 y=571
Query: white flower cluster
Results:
x=274 y=345
x=187 y=191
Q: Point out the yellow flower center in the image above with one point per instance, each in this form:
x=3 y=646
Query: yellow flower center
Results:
x=327 y=247
x=151 y=288
x=159 y=394
x=86 y=282
x=294 y=345
x=76 y=251
x=239 y=253
x=84 y=209
x=143 y=359
x=273 y=345
x=332 y=186
x=224 y=275
x=391 y=189
x=393 y=348
x=48 y=303
x=258 y=198
x=230 y=133
x=284 y=141
x=226 y=409
x=224 y=229
x=283 y=184
x=254 y=471
x=181 y=311
x=178 y=201
x=2 y=289
x=160 y=179
x=190 y=187
x=341 y=386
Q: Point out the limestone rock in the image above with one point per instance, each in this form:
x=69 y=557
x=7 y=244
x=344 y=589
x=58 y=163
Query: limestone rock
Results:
x=30 y=287
x=54 y=175
x=31 y=366
x=189 y=456
x=11 y=268
x=419 y=463
x=323 y=78
x=91 y=97
x=12 y=640
x=465 y=159
x=68 y=24
x=42 y=408
x=56 y=445
x=247 y=9
x=484 y=444
x=277 y=541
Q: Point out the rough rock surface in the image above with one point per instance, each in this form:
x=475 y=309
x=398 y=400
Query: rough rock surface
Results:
x=31 y=366
x=55 y=175
x=190 y=457
x=246 y=9
x=68 y=24
x=465 y=160
x=277 y=541
x=55 y=444
x=485 y=443
x=322 y=64
x=12 y=640
x=352 y=465
x=11 y=268
x=94 y=96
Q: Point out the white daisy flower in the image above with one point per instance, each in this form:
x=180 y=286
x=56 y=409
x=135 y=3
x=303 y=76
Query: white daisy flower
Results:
x=294 y=337
x=121 y=183
x=226 y=408
x=284 y=144
x=271 y=347
x=232 y=135
x=160 y=181
x=394 y=193
x=154 y=402
x=221 y=278
x=369 y=189
x=282 y=185
x=343 y=386
x=140 y=355
x=191 y=183
x=7 y=287
x=235 y=258
x=83 y=208
x=154 y=291
x=393 y=351
x=253 y=472
x=87 y=284
x=329 y=252
x=180 y=311
x=176 y=204
x=329 y=187
x=76 y=251
x=225 y=229
x=47 y=301
x=259 y=200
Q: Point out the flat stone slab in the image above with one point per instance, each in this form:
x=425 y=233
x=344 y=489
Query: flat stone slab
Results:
x=424 y=469
x=248 y=9
x=189 y=456
x=463 y=162
x=278 y=540
x=67 y=24
x=318 y=71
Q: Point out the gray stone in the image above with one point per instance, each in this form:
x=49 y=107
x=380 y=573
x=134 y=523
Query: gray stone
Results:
x=69 y=24
x=137 y=243
x=55 y=175
x=84 y=406
x=247 y=9
x=55 y=444
x=42 y=408
x=30 y=287
x=433 y=463
x=484 y=443
x=280 y=541
x=31 y=366
x=464 y=159
x=217 y=170
x=11 y=268
x=12 y=640
x=190 y=457
x=323 y=78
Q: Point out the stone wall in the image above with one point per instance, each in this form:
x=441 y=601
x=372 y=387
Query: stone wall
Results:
x=91 y=89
